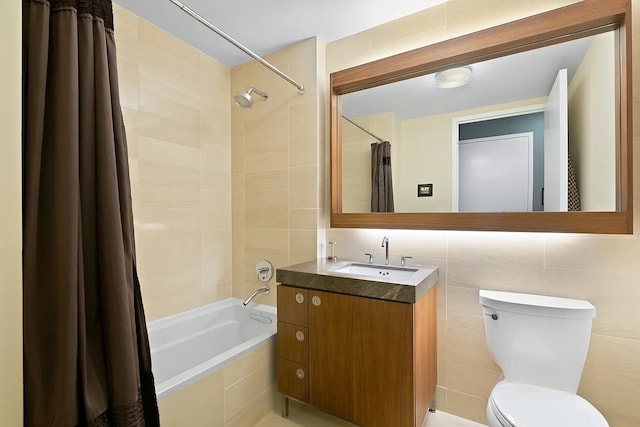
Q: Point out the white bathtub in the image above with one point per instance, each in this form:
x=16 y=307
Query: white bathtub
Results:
x=189 y=345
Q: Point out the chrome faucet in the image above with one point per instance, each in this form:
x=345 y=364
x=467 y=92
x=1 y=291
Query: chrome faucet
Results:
x=385 y=244
x=333 y=256
x=264 y=290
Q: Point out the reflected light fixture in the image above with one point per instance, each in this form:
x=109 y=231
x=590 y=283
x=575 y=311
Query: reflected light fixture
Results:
x=453 y=77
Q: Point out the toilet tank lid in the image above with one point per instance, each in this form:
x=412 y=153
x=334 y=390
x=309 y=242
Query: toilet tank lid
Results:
x=537 y=304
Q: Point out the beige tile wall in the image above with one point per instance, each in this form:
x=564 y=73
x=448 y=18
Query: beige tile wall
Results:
x=277 y=167
x=10 y=216
x=602 y=269
x=175 y=102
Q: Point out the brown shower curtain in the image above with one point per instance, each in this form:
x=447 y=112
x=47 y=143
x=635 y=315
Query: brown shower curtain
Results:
x=86 y=351
x=381 y=182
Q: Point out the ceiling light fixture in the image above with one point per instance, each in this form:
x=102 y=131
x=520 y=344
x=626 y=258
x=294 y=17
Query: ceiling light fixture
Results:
x=453 y=77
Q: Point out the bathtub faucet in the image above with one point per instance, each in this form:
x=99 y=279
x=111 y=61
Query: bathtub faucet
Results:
x=264 y=290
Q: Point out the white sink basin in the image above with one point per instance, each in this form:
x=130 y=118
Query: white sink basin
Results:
x=384 y=272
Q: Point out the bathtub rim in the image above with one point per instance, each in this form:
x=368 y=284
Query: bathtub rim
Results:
x=195 y=373
x=191 y=313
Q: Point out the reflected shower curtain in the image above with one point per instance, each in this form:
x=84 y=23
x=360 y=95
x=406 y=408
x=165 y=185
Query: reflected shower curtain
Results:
x=86 y=351
x=381 y=182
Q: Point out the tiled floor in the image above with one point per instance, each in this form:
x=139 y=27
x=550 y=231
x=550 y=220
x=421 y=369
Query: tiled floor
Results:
x=305 y=416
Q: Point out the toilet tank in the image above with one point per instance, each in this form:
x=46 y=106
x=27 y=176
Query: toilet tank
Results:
x=538 y=339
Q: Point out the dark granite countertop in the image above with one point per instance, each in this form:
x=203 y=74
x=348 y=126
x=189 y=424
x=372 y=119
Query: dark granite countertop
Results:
x=321 y=275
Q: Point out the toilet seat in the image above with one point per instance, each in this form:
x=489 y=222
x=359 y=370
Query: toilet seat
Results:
x=526 y=405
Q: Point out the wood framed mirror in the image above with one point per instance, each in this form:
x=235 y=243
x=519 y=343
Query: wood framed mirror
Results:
x=358 y=94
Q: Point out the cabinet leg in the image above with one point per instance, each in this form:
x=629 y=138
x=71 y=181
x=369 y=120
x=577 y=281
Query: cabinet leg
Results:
x=285 y=407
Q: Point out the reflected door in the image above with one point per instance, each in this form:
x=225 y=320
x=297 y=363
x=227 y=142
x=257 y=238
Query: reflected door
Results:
x=496 y=174
x=556 y=147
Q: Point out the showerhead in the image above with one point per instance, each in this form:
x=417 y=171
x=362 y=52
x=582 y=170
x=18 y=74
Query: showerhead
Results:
x=244 y=99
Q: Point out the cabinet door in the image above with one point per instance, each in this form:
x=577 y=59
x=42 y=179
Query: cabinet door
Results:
x=361 y=358
x=293 y=379
x=292 y=342
x=293 y=305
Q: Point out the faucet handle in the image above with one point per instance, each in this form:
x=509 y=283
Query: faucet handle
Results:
x=333 y=256
x=370 y=257
x=403 y=260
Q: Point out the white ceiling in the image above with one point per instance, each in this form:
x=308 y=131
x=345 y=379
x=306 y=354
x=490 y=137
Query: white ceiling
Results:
x=268 y=26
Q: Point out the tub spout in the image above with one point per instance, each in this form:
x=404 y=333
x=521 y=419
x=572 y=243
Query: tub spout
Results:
x=264 y=290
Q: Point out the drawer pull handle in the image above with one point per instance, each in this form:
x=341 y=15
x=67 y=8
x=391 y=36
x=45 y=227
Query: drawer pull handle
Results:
x=300 y=336
x=299 y=298
x=300 y=373
x=316 y=301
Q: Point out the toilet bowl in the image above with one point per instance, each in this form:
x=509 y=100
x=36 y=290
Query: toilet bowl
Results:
x=541 y=344
x=525 y=405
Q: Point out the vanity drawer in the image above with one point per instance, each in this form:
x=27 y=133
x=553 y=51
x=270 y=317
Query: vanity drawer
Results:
x=293 y=379
x=293 y=306
x=293 y=342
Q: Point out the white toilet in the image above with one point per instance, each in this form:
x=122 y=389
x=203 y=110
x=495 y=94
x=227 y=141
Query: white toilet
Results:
x=541 y=344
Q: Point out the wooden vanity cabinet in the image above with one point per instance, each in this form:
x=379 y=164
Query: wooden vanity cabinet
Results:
x=367 y=360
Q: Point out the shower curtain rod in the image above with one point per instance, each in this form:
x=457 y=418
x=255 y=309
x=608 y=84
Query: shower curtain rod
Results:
x=237 y=44
x=361 y=128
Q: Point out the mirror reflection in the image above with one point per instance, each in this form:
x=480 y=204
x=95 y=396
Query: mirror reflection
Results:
x=533 y=131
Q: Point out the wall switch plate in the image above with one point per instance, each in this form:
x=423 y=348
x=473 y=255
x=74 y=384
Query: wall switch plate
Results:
x=425 y=190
